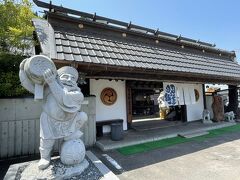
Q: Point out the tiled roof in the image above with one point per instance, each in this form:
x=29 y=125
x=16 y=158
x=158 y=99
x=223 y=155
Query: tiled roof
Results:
x=87 y=48
x=97 y=48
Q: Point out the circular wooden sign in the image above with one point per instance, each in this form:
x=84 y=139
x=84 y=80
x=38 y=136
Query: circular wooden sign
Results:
x=108 y=96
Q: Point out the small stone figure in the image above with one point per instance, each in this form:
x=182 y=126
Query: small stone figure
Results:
x=218 y=109
x=60 y=118
x=163 y=106
x=206 y=117
x=229 y=116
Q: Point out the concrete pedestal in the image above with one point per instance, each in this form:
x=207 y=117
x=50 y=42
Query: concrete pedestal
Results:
x=91 y=168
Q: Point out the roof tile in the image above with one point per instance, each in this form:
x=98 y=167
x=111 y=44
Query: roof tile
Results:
x=112 y=55
x=106 y=54
x=71 y=37
x=59 y=48
x=95 y=60
x=99 y=53
x=115 y=50
x=85 y=39
x=81 y=45
x=75 y=50
x=77 y=57
x=99 y=42
x=65 y=43
x=73 y=43
x=119 y=56
x=86 y=59
x=95 y=47
x=110 y=61
x=68 y=57
x=60 y=56
x=130 y=63
x=78 y=39
x=92 y=41
x=67 y=49
x=57 y=35
x=108 y=48
x=83 y=51
x=102 y=60
x=88 y=46
x=102 y=48
x=91 y=52
x=58 y=42
x=121 y=50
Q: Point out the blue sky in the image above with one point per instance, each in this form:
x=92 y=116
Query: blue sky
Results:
x=213 y=21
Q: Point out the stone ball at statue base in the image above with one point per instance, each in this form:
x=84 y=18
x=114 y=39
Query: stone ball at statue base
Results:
x=72 y=152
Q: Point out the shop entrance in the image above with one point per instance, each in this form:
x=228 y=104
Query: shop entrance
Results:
x=143 y=105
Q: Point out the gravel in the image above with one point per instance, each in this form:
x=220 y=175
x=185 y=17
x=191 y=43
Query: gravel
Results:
x=91 y=173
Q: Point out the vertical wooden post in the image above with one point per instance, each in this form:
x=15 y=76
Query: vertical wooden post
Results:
x=129 y=104
x=204 y=96
x=233 y=98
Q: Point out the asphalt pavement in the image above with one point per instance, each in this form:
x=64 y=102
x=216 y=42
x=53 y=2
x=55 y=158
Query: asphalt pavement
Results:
x=216 y=158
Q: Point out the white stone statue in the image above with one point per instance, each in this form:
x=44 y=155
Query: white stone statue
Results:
x=61 y=116
x=229 y=116
x=206 y=117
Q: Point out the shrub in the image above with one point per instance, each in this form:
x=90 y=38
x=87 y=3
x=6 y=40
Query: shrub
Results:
x=10 y=85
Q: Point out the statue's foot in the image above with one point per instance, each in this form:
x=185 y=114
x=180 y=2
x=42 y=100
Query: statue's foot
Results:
x=43 y=163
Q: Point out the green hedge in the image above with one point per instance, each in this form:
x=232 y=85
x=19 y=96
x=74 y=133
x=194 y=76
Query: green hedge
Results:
x=10 y=85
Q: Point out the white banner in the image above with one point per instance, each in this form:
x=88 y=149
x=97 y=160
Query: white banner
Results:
x=179 y=94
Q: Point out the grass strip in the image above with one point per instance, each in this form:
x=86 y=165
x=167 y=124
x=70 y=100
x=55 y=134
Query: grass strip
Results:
x=144 y=147
x=139 y=148
x=217 y=132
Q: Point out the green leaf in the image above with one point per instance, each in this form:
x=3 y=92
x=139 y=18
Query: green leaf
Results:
x=16 y=25
x=9 y=72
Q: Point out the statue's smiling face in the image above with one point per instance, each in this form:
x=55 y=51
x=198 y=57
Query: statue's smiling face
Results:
x=68 y=80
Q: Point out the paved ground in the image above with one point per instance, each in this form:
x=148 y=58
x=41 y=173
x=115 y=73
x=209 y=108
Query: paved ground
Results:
x=4 y=165
x=214 y=159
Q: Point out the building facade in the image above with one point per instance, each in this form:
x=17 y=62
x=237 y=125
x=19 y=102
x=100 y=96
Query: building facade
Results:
x=127 y=66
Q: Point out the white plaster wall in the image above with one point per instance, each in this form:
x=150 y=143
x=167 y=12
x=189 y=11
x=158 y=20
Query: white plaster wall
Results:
x=194 y=111
x=115 y=111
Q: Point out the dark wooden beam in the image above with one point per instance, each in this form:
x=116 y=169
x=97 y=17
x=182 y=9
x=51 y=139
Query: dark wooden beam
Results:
x=204 y=96
x=233 y=98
